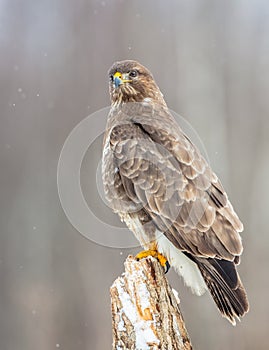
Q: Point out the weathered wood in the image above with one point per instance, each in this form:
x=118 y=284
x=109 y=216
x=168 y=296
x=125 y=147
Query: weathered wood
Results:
x=145 y=311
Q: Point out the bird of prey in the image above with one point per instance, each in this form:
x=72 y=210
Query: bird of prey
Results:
x=161 y=186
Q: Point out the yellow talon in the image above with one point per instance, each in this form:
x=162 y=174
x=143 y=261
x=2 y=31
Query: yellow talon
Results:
x=155 y=254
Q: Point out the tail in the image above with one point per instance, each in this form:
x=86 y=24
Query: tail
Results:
x=225 y=287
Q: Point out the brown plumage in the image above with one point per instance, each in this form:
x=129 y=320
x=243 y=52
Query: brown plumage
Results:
x=161 y=186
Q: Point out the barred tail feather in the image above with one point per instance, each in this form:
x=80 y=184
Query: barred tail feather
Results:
x=225 y=287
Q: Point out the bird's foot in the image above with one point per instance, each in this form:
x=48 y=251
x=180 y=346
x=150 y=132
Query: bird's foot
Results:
x=155 y=254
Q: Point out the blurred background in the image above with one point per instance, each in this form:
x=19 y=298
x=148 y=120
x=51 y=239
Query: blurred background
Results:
x=211 y=61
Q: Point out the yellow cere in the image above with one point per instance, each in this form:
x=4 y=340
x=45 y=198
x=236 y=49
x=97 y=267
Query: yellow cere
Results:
x=123 y=77
x=117 y=75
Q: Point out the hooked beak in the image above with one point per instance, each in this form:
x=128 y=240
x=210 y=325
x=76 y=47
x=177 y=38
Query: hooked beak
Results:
x=119 y=79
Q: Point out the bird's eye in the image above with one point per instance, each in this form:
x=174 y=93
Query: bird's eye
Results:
x=111 y=78
x=133 y=73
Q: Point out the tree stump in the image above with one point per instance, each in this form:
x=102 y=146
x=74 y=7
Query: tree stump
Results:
x=145 y=310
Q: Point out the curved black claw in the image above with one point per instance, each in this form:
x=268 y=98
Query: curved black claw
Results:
x=155 y=254
x=166 y=267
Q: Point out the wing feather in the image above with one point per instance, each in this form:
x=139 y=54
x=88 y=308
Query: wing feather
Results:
x=161 y=169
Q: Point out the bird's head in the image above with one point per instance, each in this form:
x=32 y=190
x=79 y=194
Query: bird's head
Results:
x=129 y=81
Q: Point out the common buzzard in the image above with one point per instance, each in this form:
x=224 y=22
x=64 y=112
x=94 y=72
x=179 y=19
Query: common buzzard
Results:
x=161 y=186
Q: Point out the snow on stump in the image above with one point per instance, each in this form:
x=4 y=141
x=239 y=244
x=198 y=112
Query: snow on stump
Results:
x=145 y=311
